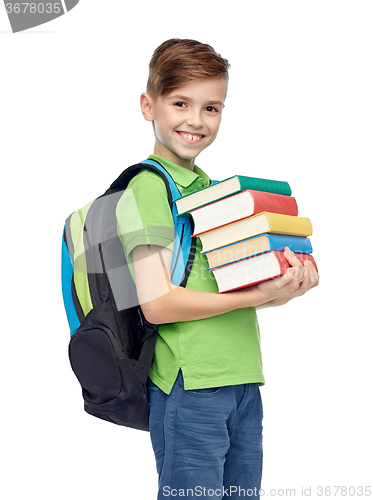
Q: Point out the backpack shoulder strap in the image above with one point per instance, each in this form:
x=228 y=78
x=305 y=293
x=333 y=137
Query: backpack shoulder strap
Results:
x=185 y=244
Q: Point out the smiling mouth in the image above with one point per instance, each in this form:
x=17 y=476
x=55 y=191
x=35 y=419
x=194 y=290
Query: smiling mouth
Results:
x=191 y=137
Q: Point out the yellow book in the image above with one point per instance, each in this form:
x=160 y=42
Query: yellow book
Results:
x=265 y=222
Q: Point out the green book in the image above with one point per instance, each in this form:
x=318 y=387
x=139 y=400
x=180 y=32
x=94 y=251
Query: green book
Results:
x=228 y=187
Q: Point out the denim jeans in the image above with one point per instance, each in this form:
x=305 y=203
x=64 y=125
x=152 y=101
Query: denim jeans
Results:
x=207 y=442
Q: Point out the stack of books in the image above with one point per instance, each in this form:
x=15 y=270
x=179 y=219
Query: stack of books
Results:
x=244 y=224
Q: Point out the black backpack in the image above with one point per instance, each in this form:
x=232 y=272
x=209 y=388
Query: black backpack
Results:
x=112 y=345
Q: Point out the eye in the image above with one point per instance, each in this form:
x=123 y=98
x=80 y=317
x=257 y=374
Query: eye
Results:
x=212 y=109
x=180 y=104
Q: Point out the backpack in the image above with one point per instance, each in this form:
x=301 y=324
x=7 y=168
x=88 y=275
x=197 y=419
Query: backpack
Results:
x=111 y=346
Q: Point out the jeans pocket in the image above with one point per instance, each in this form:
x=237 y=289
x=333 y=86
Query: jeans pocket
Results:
x=209 y=391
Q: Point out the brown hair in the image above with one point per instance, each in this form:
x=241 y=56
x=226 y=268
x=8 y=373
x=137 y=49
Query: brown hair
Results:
x=177 y=62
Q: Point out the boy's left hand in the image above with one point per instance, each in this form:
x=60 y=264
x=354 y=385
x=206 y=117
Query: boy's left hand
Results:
x=309 y=280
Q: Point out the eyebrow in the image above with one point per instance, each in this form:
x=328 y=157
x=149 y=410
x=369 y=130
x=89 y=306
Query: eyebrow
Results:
x=185 y=98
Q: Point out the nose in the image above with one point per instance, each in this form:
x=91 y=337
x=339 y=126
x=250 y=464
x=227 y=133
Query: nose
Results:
x=194 y=119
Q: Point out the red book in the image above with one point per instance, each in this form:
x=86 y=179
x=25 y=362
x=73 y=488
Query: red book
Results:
x=240 y=205
x=254 y=270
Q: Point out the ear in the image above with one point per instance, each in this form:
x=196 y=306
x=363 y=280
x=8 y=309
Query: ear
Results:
x=146 y=103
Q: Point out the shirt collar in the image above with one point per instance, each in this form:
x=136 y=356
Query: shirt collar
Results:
x=182 y=175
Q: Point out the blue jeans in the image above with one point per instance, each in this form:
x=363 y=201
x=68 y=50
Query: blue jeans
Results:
x=207 y=442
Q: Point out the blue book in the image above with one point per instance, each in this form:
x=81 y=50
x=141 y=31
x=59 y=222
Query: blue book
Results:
x=262 y=243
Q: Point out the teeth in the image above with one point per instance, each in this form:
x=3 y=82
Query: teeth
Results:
x=192 y=137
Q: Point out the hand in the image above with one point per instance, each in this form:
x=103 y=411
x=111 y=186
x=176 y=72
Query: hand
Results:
x=297 y=280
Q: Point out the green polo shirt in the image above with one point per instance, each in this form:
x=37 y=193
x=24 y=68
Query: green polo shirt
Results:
x=212 y=352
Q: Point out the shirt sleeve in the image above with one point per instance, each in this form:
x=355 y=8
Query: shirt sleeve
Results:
x=143 y=213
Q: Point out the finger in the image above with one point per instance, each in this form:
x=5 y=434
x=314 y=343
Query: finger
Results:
x=289 y=283
x=282 y=285
x=313 y=279
x=306 y=275
x=294 y=263
x=285 y=278
x=303 y=285
x=314 y=276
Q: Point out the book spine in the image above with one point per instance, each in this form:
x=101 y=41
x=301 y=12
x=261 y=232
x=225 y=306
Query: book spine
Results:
x=297 y=244
x=271 y=202
x=278 y=187
x=287 y=224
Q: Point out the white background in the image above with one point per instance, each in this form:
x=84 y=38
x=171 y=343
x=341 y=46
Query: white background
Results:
x=299 y=109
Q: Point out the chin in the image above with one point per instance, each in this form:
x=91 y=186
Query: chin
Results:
x=188 y=156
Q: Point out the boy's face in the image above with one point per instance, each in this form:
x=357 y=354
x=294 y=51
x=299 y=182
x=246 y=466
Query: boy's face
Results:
x=187 y=120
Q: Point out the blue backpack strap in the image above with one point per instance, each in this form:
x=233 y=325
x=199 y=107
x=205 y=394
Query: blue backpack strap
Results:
x=67 y=270
x=184 y=245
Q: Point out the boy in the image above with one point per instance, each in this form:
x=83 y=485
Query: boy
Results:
x=205 y=405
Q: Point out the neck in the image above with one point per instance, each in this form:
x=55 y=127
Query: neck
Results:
x=169 y=155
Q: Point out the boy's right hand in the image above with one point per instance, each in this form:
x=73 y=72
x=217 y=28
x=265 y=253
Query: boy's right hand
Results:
x=295 y=282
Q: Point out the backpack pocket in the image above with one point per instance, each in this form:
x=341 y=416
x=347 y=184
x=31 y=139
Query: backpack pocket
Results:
x=113 y=387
